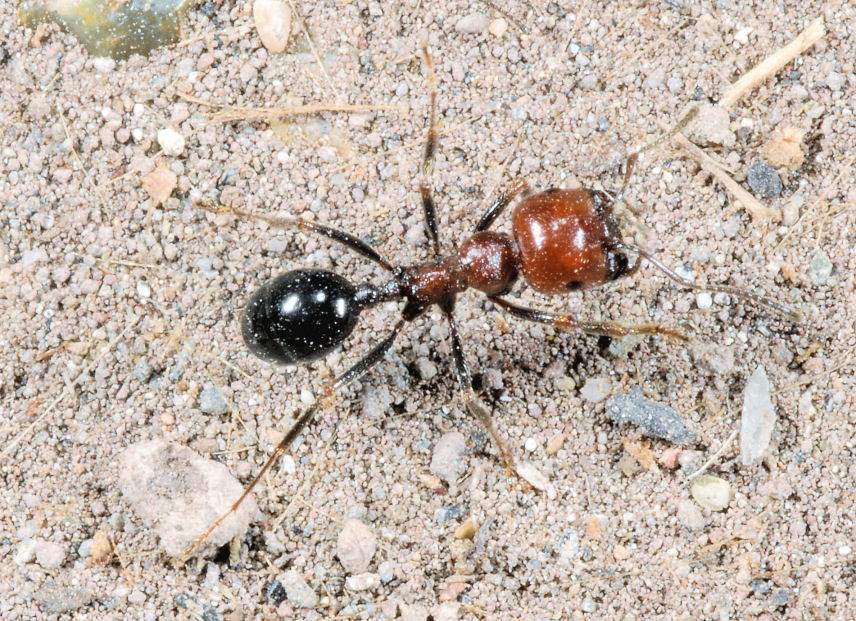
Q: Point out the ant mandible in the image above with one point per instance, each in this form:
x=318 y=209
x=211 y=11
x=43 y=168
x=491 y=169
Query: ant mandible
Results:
x=563 y=240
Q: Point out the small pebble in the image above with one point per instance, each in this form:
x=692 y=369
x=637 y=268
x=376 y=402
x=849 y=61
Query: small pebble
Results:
x=356 y=546
x=711 y=127
x=689 y=515
x=760 y=586
x=447 y=459
x=178 y=494
x=29 y=257
x=467 y=530
x=160 y=183
x=530 y=444
x=785 y=147
x=273 y=23
x=596 y=389
x=449 y=512
x=764 y=180
x=780 y=598
x=669 y=458
x=498 y=27
x=704 y=300
x=211 y=401
x=448 y=611
x=713 y=359
x=54 y=598
x=791 y=211
x=535 y=478
x=386 y=571
x=101 y=550
x=25 y=553
x=297 y=590
x=555 y=444
x=49 y=555
x=474 y=23
x=588 y=605
x=711 y=492
x=137 y=597
x=655 y=419
x=820 y=267
x=835 y=81
x=363 y=582
x=144 y=290
x=569 y=546
x=142 y=371
x=171 y=142
x=758 y=418
x=275 y=593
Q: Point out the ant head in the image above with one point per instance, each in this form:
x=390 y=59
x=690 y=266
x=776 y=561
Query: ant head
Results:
x=299 y=316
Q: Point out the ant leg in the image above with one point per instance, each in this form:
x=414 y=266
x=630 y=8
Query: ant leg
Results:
x=518 y=187
x=568 y=322
x=348 y=240
x=428 y=159
x=471 y=401
x=355 y=372
x=791 y=314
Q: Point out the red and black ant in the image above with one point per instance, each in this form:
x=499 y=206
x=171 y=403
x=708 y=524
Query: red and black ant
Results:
x=563 y=240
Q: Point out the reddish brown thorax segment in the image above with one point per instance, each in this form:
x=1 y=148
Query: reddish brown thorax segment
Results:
x=487 y=261
x=565 y=240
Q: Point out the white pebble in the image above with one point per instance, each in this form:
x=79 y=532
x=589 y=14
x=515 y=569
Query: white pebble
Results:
x=473 y=23
x=447 y=458
x=143 y=289
x=356 y=546
x=528 y=472
x=363 y=582
x=758 y=418
x=25 y=553
x=704 y=300
x=531 y=444
x=596 y=389
x=498 y=27
x=711 y=492
x=273 y=23
x=288 y=465
x=171 y=142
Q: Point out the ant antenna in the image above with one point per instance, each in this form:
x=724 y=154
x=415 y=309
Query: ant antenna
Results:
x=630 y=162
x=791 y=314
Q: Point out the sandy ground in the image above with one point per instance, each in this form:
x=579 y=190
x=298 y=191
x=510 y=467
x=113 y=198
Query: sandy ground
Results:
x=97 y=280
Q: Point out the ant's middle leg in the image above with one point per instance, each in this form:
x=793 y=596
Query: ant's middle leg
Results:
x=569 y=322
x=471 y=401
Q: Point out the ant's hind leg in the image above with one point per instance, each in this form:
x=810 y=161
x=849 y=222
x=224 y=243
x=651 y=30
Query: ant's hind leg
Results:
x=352 y=242
x=471 y=401
x=359 y=369
x=428 y=158
x=569 y=322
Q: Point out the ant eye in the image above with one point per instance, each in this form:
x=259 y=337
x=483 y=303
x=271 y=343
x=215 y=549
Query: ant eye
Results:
x=299 y=316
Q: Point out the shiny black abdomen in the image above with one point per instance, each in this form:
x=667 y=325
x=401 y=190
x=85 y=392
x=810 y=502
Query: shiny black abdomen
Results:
x=299 y=316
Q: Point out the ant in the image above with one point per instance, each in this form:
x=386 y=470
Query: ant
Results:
x=563 y=240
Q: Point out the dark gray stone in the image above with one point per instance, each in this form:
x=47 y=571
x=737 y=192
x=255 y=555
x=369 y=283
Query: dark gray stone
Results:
x=764 y=180
x=654 y=418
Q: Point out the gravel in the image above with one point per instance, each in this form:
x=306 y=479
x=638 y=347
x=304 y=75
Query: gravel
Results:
x=558 y=97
